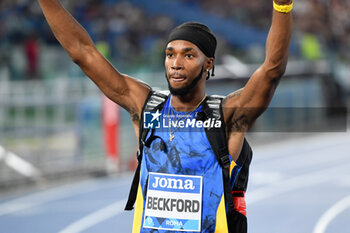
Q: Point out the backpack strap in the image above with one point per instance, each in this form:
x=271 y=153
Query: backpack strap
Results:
x=246 y=155
x=218 y=141
x=155 y=101
x=212 y=108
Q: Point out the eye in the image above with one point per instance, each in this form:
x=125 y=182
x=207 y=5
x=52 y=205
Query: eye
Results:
x=169 y=55
x=189 y=55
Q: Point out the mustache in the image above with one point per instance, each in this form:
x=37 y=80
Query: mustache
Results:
x=186 y=89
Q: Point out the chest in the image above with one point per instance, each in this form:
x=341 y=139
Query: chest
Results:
x=189 y=152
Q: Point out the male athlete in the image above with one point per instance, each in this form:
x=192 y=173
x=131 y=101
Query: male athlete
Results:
x=180 y=186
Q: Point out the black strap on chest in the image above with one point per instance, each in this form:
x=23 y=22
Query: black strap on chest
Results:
x=155 y=101
x=211 y=108
x=218 y=141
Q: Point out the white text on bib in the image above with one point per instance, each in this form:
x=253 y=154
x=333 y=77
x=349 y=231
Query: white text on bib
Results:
x=173 y=202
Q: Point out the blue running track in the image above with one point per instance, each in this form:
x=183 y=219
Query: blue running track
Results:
x=296 y=186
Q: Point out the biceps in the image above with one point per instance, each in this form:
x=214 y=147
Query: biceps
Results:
x=123 y=90
x=256 y=96
x=99 y=70
x=259 y=89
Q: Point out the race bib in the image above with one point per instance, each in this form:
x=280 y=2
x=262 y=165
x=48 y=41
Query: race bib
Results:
x=173 y=202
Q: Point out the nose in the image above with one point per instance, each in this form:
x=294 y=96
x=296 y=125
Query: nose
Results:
x=177 y=64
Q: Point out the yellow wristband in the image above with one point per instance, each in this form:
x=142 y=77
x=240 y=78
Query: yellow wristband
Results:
x=283 y=8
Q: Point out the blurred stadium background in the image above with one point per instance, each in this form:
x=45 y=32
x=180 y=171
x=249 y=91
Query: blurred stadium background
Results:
x=52 y=117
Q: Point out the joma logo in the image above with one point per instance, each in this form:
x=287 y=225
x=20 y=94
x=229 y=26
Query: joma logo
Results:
x=172 y=183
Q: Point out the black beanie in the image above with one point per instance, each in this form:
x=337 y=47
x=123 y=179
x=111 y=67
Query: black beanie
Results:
x=198 y=34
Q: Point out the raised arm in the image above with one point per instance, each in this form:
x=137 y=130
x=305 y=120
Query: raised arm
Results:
x=241 y=111
x=122 y=89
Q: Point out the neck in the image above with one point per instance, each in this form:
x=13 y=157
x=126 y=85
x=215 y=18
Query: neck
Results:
x=187 y=102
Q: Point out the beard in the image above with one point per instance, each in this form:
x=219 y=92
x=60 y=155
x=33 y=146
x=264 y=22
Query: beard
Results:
x=182 y=91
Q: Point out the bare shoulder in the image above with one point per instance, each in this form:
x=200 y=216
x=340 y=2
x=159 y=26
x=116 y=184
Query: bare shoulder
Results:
x=230 y=103
x=231 y=107
x=235 y=129
x=231 y=99
x=139 y=91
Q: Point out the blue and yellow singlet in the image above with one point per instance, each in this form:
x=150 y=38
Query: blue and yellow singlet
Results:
x=180 y=190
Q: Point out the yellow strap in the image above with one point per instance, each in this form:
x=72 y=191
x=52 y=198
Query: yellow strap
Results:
x=138 y=211
x=221 y=221
x=283 y=8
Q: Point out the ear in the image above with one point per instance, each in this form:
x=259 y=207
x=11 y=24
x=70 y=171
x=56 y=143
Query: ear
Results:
x=209 y=63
